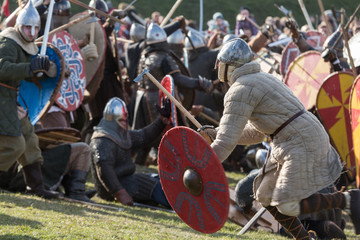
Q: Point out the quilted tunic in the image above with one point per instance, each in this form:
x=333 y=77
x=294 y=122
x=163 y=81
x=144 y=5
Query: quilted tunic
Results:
x=301 y=162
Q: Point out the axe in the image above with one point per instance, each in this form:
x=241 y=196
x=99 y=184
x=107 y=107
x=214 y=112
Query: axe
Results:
x=176 y=102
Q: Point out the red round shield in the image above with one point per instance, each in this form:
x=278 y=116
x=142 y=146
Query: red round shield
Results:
x=305 y=76
x=72 y=89
x=168 y=83
x=332 y=105
x=193 y=180
x=291 y=51
x=355 y=116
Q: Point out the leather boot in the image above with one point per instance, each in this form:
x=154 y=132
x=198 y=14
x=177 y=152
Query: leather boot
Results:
x=34 y=182
x=76 y=187
x=355 y=209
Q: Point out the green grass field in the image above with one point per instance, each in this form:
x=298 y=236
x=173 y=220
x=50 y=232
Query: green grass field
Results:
x=28 y=217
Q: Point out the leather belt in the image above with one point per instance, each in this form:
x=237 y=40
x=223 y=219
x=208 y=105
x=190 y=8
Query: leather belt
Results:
x=277 y=131
x=286 y=123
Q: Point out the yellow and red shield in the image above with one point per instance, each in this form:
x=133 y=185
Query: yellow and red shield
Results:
x=334 y=111
x=355 y=120
x=305 y=76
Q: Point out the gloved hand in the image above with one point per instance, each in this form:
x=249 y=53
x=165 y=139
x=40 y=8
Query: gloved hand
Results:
x=182 y=22
x=206 y=84
x=329 y=54
x=123 y=197
x=52 y=72
x=39 y=64
x=196 y=109
x=268 y=30
x=117 y=14
x=208 y=132
x=291 y=24
x=165 y=109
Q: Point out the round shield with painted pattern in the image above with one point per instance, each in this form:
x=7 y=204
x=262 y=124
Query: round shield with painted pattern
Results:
x=291 y=51
x=305 y=76
x=193 y=179
x=94 y=68
x=168 y=83
x=332 y=105
x=38 y=97
x=355 y=120
x=72 y=90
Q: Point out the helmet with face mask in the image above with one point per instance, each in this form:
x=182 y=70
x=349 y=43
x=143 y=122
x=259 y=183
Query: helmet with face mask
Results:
x=100 y=5
x=28 y=16
x=137 y=32
x=115 y=110
x=233 y=54
x=155 y=34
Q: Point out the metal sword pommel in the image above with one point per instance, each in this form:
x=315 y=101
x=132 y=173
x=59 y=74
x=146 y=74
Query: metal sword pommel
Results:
x=139 y=78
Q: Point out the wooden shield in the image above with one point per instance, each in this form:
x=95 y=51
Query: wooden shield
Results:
x=355 y=120
x=38 y=98
x=51 y=137
x=291 y=51
x=332 y=105
x=72 y=89
x=168 y=83
x=305 y=76
x=93 y=69
x=193 y=179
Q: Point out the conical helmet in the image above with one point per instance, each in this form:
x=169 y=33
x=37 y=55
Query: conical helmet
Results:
x=115 y=110
x=137 y=32
x=155 y=34
x=236 y=52
x=28 y=16
x=197 y=39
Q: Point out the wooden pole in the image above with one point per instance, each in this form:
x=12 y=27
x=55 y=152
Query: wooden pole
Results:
x=174 y=100
x=324 y=16
x=170 y=13
x=65 y=26
x=253 y=23
x=96 y=10
x=306 y=14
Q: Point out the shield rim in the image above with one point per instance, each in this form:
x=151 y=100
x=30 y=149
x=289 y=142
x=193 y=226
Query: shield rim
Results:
x=294 y=62
x=217 y=162
x=70 y=108
x=59 y=82
x=282 y=73
x=322 y=119
x=357 y=161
